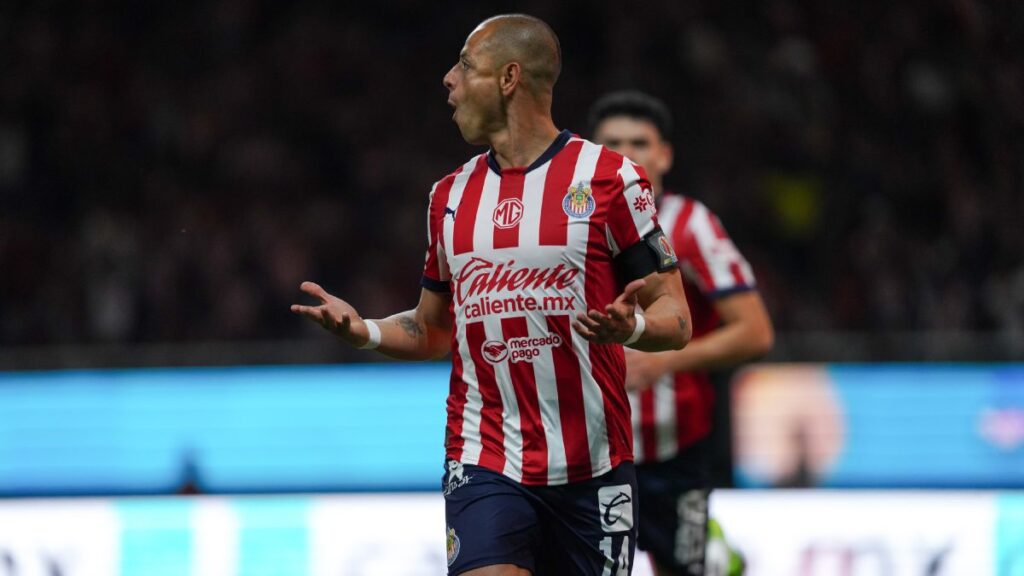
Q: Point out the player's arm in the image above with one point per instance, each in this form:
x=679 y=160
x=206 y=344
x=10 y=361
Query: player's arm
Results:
x=746 y=333
x=422 y=333
x=664 y=323
x=666 y=315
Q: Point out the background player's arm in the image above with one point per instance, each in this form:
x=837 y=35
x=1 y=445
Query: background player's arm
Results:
x=746 y=333
x=422 y=333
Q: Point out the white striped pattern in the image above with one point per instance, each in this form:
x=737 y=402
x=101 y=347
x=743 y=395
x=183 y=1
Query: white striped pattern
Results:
x=529 y=253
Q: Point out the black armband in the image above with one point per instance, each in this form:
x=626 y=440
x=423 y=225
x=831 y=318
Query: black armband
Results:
x=653 y=253
x=435 y=285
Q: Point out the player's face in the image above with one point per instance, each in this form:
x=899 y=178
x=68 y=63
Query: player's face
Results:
x=474 y=92
x=638 y=140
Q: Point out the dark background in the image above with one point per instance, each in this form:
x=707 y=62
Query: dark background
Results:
x=170 y=172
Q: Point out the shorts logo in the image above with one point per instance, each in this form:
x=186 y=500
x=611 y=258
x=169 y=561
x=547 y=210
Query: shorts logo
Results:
x=615 y=504
x=523 y=349
x=494 y=351
x=453 y=546
x=508 y=213
x=579 y=200
x=456 y=477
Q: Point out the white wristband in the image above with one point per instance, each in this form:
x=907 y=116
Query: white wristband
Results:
x=374 y=332
x=641 y=325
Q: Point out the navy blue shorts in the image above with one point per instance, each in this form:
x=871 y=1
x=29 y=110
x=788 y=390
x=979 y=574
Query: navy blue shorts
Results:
x=674 y=516
x=584 y=528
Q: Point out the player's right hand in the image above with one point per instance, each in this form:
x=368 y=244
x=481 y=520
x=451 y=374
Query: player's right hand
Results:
x=334 y=314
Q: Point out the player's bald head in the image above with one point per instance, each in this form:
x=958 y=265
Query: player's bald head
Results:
x=526 y=40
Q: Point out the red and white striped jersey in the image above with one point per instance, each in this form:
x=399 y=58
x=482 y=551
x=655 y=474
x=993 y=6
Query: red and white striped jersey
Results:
x=522 y=251
x=676 y=410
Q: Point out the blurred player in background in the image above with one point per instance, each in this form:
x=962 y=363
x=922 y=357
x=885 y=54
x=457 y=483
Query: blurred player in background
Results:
x=540 y=251
x=671 y=392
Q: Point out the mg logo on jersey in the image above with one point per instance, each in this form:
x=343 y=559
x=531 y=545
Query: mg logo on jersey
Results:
x=508 y=213
x=494 y=351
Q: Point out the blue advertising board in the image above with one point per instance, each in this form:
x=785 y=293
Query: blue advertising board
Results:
x=903 y=425
x=353 y=427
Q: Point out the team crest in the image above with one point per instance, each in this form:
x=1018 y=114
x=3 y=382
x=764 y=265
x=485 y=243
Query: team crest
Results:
x=453 y=546
x=579 y=200
x=668 y=254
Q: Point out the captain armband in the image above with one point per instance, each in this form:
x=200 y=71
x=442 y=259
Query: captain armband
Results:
x=653 y=253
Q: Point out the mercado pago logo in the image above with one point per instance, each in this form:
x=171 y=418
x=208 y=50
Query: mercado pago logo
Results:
x=523 y=349
x=483 y=288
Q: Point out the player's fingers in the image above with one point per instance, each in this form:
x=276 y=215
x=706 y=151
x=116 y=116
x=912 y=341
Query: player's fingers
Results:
x=310 y=312
x=327 y=320
x=590 y=323
x=629 y=293
x=617 y=313
x=599 y=317
x=346 y=323
x=313 y=289
x=583 y=331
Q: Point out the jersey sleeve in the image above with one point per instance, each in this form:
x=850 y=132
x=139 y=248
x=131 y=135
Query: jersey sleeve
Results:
x=709 y=258
x=436 y=276
x=638 y=244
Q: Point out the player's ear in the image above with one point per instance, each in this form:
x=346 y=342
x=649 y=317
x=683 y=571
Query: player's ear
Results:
x=666 y=156
x=509 y=78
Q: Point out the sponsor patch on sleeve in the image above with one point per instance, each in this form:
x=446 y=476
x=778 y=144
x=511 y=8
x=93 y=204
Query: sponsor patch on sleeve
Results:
x=662 y=249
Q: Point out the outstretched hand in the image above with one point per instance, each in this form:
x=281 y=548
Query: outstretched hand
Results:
x=334 y=315
x=616 y=323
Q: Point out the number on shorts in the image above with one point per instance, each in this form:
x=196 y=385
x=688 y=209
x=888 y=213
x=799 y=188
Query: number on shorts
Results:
x=609 y=563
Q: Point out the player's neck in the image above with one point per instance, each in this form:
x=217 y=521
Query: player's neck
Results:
x=519 y=143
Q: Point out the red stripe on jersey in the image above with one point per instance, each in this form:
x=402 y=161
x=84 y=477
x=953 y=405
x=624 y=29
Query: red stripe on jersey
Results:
x=553 y=219
x=680 y=228
x=616 y=408
x=508 y=210
x=570 y=401
x=619 y=215
x=694 y=398
x=453 y=439
x=734 y=267
x=535 y=445
x=435 y=224
x=607 y=361
x=465 y=214
x=648 y=422
x=737 y=274
x=492 y=439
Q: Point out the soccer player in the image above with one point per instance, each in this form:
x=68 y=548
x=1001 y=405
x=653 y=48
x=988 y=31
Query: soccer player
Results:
x=542 y=252
x=670 y=392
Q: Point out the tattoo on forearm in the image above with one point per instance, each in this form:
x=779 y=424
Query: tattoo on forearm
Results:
x=682 y=322
x=411 y=327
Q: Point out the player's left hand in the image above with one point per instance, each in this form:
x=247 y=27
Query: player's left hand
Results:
x=643 y=369
x=616 y=323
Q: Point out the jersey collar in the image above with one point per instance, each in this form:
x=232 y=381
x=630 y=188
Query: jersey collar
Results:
x=560 y=141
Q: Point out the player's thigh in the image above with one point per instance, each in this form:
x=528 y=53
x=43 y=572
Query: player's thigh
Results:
x=491 y=523
x=589 y=527
x=673 y=523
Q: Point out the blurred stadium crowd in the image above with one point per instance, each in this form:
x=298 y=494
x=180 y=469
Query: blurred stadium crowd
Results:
x=171 y=172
